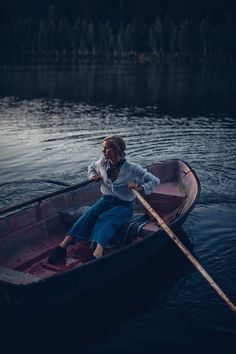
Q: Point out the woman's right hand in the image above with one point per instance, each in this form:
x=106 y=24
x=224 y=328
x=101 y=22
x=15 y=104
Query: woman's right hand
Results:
x=133 y=185
x=96 y=178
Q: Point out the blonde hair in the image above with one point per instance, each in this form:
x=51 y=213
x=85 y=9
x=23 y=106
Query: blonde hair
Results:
x=117 y=143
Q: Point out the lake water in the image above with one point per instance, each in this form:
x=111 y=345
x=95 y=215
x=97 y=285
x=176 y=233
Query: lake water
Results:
x=53 y=121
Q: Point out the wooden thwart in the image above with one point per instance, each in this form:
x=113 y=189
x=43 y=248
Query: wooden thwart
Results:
x=186 y=252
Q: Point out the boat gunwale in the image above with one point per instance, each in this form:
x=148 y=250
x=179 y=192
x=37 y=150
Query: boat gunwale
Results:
x=19 y=207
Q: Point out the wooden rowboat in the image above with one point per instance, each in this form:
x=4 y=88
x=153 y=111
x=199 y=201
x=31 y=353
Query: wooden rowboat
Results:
x=29 y=231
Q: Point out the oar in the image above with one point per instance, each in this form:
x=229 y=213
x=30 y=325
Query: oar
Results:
x=186 y=252
x=43 y=197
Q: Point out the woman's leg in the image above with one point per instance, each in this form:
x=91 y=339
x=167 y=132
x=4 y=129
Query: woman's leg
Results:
x=108 y=224
x=80 y=230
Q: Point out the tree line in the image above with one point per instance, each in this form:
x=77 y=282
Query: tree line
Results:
x=62 y=40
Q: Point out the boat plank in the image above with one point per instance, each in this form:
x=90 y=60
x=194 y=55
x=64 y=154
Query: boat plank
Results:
x=15 y=277
x=170 y=189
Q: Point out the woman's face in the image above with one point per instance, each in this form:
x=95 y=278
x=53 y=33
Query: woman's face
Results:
x=108 y=151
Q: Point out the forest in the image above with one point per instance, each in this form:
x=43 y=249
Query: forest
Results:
x=69 y=32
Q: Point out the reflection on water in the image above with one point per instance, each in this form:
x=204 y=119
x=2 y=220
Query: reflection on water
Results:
x=53 y=122
x=172 y=88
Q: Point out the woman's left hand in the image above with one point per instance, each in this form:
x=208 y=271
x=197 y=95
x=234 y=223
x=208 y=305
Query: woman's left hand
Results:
x=135 y=186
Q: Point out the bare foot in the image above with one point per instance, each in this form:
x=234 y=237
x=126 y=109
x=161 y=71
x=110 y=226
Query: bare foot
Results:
x=98 y=251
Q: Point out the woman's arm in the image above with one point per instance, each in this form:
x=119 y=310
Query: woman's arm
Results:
x=94 y=171
x=142 y=179
x=150 y=182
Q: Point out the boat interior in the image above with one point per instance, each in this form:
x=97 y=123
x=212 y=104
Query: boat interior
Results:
x=29 y=235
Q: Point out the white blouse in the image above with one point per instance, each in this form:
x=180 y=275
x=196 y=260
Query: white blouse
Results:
x=129 y=172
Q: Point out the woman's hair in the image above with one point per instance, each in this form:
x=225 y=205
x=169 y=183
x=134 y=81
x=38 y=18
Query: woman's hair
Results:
x=117 y=143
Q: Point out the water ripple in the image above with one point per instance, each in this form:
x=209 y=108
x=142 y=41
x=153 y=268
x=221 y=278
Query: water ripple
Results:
x=54 y=138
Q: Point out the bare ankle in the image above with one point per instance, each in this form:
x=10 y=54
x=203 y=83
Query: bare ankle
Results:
x=66 y=242
x=98 y=251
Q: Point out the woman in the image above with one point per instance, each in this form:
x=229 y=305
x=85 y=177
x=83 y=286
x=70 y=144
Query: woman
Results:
x=115 y=208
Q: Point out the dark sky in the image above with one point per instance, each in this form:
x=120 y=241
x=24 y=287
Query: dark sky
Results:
x=103 y=9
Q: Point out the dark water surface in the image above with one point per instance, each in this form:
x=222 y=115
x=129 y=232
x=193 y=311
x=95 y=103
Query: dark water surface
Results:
x=53 y=121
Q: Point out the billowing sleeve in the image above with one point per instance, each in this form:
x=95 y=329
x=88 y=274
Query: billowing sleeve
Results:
x=146 y=179
x=94 y=169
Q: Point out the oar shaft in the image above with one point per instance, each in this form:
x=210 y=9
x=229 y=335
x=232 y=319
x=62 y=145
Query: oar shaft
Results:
x=46 y=196
x=186 y=252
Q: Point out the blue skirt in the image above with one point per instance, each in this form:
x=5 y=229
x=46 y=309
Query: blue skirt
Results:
x=102 y=221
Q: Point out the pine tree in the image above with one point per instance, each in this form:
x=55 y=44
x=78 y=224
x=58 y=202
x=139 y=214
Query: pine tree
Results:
x=156 y=36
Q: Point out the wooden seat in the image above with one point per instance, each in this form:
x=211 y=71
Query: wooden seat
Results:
x=148 y=229
x=166 y=197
